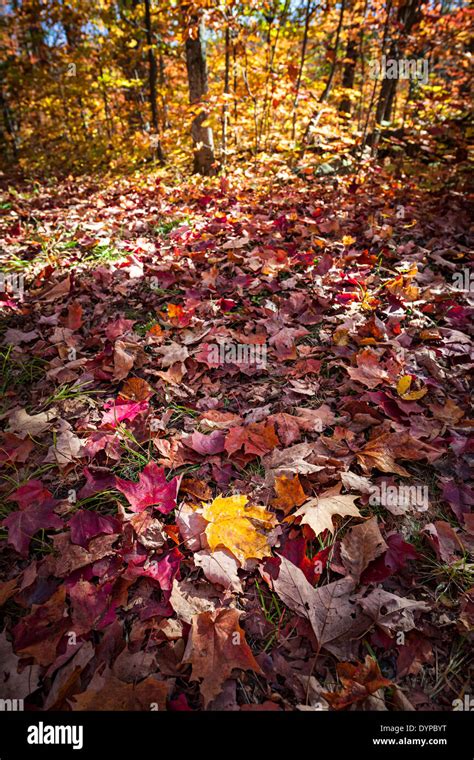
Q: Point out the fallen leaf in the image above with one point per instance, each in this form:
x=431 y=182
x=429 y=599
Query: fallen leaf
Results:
x=216 y=646
x=289 y=493
x=106 y=692
x=24 y=424
x=358 y=682
x=136 y=389
x=241 y=528
x=360 y=546
x=152 y=490
x=334 y=615
x=318 y=513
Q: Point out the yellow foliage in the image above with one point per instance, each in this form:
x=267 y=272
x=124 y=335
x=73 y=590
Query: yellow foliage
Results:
x=238 y=527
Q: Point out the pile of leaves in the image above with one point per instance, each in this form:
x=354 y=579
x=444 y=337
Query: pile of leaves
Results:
x=185 y=531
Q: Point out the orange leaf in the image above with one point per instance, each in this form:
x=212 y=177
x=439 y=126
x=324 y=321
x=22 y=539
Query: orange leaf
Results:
x=136 y=389
x=216 y=646
x=289 y=493
x=358 y=682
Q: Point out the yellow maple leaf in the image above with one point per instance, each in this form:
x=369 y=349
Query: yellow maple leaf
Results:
x=238 y=527
x=403 y=384
x=403 y=389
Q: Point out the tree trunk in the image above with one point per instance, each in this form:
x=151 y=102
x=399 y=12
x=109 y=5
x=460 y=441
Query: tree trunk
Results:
x=328 y=87
x=408 y=14
x=348 y=74
x=225 y=108
x=9 y=137
x=152 y=75
x=197 y=80
x=304 y=44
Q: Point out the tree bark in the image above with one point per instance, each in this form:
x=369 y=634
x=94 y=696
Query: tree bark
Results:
x=328 y=87
x=348 y=74
x=196 y=65
x=225 y=107
x=304 y=44
x=408 y=14
x=152 y=76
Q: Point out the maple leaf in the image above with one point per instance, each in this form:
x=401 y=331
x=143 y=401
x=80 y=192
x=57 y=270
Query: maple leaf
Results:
x=23 y=424
x=14 y=449
x=205 y=444
x=403 y=389
x=172 y=353
x=358 y=682
x=14 y=684
x=107 y=692
x=360 y=546
x=148 y=529
x=459 y=497
x=295 y=551
x=72 y=556
x=30 y=518
x=98 y=479
x=85 y=524
x=188 y=599
x=393 y=560
x=368 y=371
x=163 y=571
x=332 y=611
x=7 y=589
x=450 y=413
x=196 y=488
x=381 y=452
x=90 y=605
x=220 y=567
x=319 y=512
x=216 y=646
x=136 y=389
x=315 y=420
x=74 y=316
x=152 y=490
x=38 y=634
x=67 y=447
x=240 y=528
x=119 y=410
x=32 y=491
x=258 y=438
x=288 y=461
x=413 y=654
x=289 y=493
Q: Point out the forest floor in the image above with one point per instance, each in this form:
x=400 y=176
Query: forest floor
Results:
x=235 y=444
